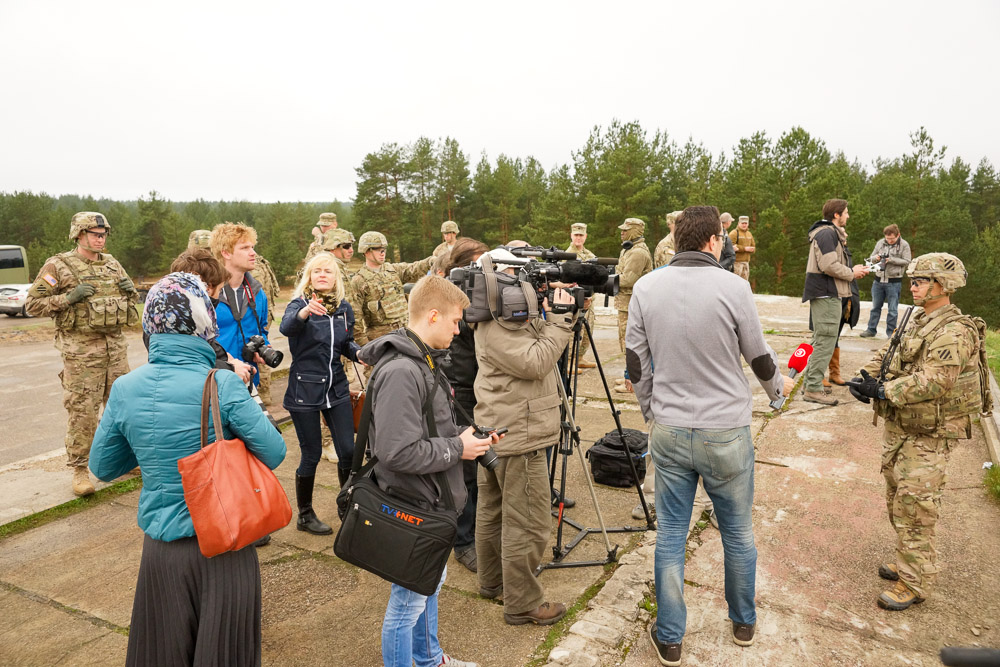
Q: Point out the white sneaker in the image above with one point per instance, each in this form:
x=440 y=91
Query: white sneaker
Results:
x=452 y=662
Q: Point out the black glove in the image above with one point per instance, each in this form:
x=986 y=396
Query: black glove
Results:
x=867 y=386
x=851 y=385
x=126 y=285
x=80 y=292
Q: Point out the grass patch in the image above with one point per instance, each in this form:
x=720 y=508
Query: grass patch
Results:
x=558 y=631
x=27 y=523
x=991 y=480
x=993 y=351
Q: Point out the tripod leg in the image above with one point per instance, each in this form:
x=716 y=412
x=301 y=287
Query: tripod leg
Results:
x=616 y=414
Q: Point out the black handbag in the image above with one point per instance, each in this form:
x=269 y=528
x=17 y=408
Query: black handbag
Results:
x=399 y=539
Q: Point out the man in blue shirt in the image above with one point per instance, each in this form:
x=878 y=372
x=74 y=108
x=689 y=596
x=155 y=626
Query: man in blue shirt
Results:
x=242 y=308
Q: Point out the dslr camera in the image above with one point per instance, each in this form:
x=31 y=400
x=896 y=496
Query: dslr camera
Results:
x=257 y=345
x=500 y=296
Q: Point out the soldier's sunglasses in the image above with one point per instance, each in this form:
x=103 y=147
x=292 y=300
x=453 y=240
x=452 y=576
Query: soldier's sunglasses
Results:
x=346 y=246
x=919 y=282
x=98 y=235
x=377 y=249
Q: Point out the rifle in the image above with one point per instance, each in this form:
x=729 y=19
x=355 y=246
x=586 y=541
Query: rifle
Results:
x=897 y=337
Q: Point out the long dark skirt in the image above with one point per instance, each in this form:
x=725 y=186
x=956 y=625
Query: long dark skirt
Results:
x=192 y=610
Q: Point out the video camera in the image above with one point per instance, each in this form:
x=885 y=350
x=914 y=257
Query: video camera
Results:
x=501 y=296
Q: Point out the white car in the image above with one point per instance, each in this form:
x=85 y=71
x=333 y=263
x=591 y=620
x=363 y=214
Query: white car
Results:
x=12 y=298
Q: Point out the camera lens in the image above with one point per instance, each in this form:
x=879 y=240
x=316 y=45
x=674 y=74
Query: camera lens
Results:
x=271 y=356
x=489 y=459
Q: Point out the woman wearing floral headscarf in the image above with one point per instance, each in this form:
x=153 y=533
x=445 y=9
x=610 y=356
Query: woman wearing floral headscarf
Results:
x=319 y=324
x=188 y=609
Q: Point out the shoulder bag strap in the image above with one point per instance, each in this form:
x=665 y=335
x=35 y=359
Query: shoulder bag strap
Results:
x=208 y=392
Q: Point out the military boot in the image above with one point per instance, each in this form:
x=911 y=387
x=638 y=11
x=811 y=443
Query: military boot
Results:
x=888 y=571
x=81 y=481
x=898 y=598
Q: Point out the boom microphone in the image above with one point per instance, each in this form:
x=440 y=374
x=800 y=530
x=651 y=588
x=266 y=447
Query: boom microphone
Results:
x=796 y=364
x=584 y=274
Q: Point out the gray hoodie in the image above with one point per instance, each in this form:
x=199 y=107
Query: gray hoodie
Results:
x=407 y=456
x=684 y=360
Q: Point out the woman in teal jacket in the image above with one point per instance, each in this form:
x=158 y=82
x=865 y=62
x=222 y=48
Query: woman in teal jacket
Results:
x=152 y=419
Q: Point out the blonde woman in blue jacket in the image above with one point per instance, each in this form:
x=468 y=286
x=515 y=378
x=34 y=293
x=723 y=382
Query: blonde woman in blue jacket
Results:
x=188 y=609
x=319 y=324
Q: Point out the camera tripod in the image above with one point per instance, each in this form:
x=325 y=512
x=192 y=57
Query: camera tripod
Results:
x=569 y=439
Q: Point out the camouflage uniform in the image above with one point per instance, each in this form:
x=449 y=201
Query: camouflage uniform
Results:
x=269 y=284
x=633 y=263
x=380 y=294
x=325 y=220
x=933 y=386
x=443 y=247
x=200 y=238
x=88 y=333
x=665 y=249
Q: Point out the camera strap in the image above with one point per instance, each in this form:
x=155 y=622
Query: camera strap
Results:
x=492 y=296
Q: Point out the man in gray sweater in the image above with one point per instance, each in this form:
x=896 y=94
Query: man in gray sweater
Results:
x=892 y=254
x=690 y=383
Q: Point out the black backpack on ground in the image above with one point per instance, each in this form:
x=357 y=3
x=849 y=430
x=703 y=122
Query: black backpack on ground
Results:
x=609 y=463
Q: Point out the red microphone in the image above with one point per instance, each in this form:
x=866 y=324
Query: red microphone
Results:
x=800 y=357
x=796 y=364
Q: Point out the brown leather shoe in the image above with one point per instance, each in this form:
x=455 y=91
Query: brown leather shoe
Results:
x=546 y=613
x=587 y=364
x=743 y=633
x=827 y=387
x=819 y=397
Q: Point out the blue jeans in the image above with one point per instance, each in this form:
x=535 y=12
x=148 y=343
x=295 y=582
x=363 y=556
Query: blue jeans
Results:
x=881 y=293
x=723 y=458
x=410 y=628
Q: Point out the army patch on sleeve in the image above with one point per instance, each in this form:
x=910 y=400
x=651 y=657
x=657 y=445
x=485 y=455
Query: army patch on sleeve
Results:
x=944 y=354
x=49 y=279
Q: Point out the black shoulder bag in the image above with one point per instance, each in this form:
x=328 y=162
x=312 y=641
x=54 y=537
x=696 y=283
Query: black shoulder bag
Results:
x=395 y=538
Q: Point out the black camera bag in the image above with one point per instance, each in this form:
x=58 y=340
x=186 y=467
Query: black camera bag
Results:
x=399 y=539
x=609 y=462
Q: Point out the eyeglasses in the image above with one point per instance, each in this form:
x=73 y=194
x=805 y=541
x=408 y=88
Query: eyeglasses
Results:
x=377 y=249
x=346 y=246
x=98 y=235
x=721 y=237
x=919 y=282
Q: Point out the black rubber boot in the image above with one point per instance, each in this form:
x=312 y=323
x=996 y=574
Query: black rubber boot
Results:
x=343 y=474
x=308 y=520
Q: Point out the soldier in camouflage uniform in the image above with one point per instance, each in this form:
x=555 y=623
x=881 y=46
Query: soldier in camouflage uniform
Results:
x=200 y=238
x=449 y=232
x=327 y=221
x=91 y=298
x=935 y=382
x=665 y=251
x=578 y=237
x=378 y=286
x=634 y=262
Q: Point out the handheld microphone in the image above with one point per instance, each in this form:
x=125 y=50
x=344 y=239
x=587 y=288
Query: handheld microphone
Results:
x=796 y=364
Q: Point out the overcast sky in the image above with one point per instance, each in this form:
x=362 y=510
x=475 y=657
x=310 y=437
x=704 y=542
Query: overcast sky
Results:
x=281 y=101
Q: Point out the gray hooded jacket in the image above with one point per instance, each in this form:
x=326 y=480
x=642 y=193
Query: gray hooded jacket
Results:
x=407 y=456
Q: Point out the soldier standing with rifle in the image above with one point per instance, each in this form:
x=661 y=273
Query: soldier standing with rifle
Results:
x=91 y=298
x=931 y=380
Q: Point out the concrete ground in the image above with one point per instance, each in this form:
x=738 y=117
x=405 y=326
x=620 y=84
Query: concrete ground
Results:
x=66 y=587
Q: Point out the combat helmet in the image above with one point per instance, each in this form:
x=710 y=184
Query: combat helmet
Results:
x=200 y=238
x=371 y=240
x=85 y=220
x=946 y=269
x=336 y=237
x=449 y=226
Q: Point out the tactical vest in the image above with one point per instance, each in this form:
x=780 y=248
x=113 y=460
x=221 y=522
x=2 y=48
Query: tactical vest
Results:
x=107 y=310
x=385 y=301
x=968 y=396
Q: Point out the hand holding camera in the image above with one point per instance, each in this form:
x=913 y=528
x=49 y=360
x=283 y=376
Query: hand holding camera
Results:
x=256 y=350
x=477 y=443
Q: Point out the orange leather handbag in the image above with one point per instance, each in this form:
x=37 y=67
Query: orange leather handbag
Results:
x=233 y=498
